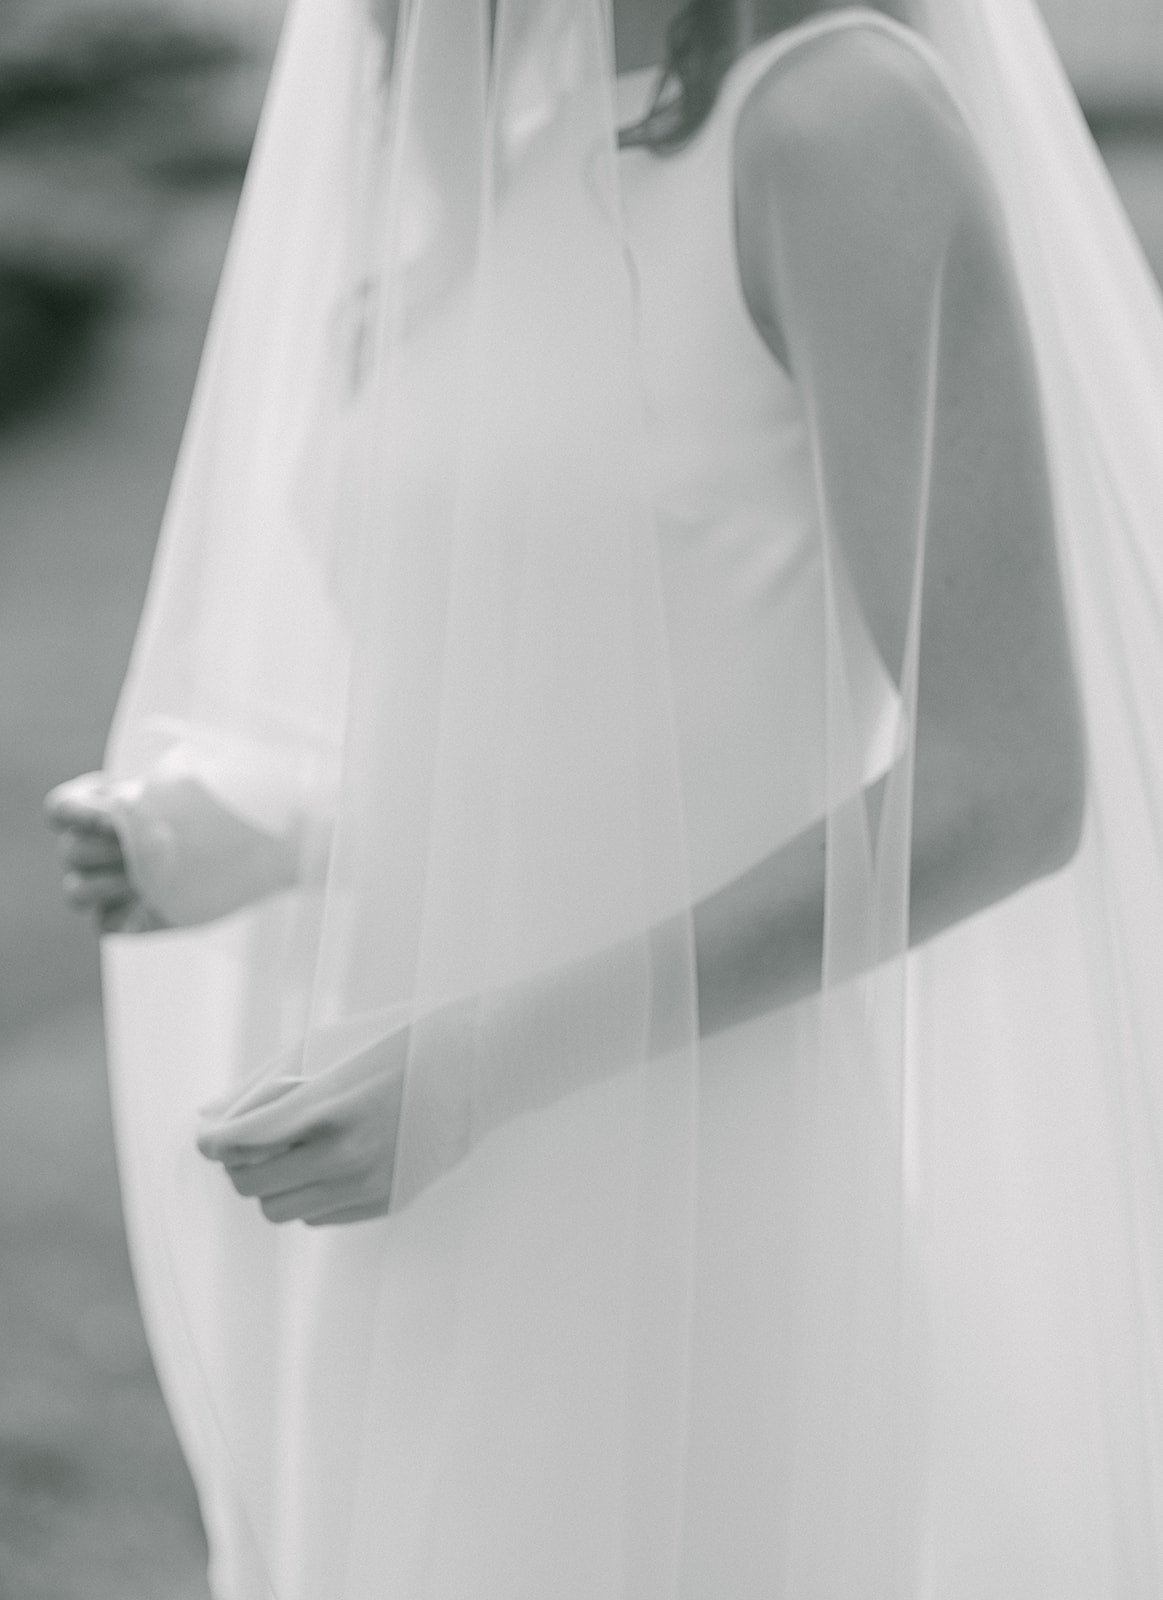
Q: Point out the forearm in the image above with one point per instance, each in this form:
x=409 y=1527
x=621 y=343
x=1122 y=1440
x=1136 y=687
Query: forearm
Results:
x=751 y=947
x=759 y=941
x=479 y=1062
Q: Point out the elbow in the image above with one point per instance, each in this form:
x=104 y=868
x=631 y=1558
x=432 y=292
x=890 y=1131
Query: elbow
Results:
x=1034 y=830
x=987 y=845
x=1046 y=829
x=1043 y=817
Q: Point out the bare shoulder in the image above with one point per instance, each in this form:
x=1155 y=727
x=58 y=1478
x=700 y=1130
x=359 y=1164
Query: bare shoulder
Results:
x=859 y=108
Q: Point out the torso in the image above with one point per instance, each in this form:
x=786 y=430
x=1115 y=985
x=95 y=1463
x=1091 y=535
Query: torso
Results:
x=734 y=488
x=732 y=480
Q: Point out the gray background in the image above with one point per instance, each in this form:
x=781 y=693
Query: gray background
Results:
x=116 y=193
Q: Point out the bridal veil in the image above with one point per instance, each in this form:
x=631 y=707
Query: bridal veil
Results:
x=406 y=620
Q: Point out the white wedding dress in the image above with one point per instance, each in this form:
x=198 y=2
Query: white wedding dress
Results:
x=428 y=1407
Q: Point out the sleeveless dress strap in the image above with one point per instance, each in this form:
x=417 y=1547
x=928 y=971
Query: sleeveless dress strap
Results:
x=743 y=75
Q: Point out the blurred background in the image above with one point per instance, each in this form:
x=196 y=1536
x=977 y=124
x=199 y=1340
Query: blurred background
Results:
x=124 y=131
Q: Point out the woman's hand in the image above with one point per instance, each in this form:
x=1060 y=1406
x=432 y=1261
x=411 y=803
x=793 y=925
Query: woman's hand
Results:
x=318 y=1150
x=165 y=851
x=89 y=850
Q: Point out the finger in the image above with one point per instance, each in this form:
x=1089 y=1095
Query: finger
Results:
x=86 y=891
x=80 y=803
x=78 y=847
x=90 y=891
x=300 y=1167
x=131 y=916
x=284 y=1207
x=323 y=1133
x=295 y=1117
x=86 y=818
x=264 y=1090
x=311 y=1109
x=242 y=1161
x=360 y=1213
x=318 y=1204
x=296 y=1205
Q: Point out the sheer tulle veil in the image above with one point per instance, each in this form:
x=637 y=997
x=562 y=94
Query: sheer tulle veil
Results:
x=407 y=612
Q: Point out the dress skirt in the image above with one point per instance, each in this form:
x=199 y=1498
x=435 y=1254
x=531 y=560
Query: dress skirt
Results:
x=434 y=1405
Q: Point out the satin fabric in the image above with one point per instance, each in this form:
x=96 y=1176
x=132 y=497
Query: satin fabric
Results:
x=816 y=1307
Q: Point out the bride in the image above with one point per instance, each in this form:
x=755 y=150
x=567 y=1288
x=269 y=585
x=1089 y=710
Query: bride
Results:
x=644 y=555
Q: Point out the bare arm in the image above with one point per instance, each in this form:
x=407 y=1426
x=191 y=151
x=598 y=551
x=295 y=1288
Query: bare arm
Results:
x=861 y=196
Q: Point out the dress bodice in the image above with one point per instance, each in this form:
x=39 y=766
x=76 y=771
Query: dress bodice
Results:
x=731 y=476
x=733 y=479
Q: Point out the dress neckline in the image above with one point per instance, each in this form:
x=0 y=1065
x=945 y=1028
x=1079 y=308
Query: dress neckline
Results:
x=775 y=44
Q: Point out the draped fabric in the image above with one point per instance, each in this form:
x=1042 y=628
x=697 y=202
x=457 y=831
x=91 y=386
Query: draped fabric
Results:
x=398 y=757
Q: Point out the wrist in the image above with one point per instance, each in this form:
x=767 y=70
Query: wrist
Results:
x=437 y=1128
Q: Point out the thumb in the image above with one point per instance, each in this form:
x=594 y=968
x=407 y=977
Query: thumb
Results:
x=83 y=802
x=270 y=1114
